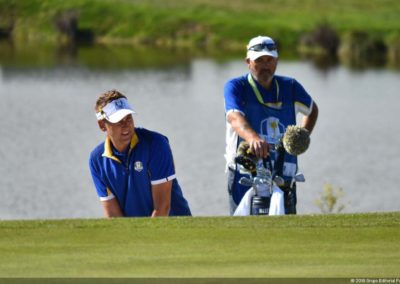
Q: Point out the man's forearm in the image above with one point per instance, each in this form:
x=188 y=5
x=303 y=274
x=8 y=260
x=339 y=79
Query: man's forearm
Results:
x=161 y=198
x=242 y=127
x=310 y=120
x=257 y=144
x=112 y=208
x=162 y=209
x=160 y=212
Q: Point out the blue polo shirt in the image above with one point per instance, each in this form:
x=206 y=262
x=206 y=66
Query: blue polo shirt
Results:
x=129 y=176
x=269 y=113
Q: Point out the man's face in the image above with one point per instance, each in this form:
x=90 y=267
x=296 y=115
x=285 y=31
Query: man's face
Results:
x=121 y=132
x=263 y=69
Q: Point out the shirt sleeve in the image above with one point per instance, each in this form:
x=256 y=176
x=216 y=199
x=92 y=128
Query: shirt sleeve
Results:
x=233 y=92
x=161 y=164
x=103 y=191
x=302 y=100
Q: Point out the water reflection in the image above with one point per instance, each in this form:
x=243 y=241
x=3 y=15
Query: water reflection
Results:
x=103 y=57
x=48 y=129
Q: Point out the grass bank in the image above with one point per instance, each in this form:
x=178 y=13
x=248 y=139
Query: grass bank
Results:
x=227 y=24
x=359 y=245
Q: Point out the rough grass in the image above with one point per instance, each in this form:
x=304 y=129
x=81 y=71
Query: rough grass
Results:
x=199 y=22
x=361 y=245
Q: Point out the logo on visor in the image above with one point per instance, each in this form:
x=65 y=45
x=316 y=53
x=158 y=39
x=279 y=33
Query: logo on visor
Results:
x=138 y=166
x=119 y=104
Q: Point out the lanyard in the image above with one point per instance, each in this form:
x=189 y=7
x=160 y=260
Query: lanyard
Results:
x=253 y=85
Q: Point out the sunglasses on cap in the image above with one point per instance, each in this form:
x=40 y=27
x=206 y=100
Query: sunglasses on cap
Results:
x=263 y=47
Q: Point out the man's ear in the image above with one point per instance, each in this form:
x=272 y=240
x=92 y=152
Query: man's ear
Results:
x=248 y=62
x=102 y=125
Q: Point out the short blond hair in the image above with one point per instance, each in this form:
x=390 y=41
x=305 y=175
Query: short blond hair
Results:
x=107 y=97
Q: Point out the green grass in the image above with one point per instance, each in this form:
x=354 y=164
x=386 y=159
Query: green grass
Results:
x=200 y=22
x=359 y=245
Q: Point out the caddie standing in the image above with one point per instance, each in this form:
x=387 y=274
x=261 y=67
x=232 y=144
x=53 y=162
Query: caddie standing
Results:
x=259 y=106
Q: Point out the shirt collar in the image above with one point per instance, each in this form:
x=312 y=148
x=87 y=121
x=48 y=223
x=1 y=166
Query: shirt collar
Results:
x=108 y=149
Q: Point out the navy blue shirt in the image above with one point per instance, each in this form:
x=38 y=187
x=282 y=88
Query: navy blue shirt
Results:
x=129 y=176
x=269 y=113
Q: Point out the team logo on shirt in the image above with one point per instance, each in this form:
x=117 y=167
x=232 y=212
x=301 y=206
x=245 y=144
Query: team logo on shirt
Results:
x=272 y=129
x=138 y=166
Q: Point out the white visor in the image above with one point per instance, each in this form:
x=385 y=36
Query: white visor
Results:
x=115 y=111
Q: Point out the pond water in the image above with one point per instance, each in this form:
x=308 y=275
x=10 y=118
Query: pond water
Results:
x=48 y=129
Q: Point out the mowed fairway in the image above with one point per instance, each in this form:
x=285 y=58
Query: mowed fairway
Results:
x=359 y=245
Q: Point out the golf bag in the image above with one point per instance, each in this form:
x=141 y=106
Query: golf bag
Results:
x=264 y=192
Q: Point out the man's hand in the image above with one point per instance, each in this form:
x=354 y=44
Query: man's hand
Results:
x=259 y=147
x=257 y=144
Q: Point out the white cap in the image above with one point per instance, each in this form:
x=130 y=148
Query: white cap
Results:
x=115 y=110
x=260 y=46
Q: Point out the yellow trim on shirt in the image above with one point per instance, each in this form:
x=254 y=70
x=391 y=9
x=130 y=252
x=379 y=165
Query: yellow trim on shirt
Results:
x=109 y=193
x=134 y=142
x=108 y=149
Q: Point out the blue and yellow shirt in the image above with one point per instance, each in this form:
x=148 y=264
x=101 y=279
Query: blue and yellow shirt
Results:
x=129 y=176
x=269 y=113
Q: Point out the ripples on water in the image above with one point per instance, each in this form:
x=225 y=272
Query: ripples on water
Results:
x=48 y=129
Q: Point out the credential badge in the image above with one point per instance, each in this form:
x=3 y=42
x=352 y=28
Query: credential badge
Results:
x=138 y=166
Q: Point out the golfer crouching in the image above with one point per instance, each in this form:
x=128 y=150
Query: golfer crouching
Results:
x=133 y=169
